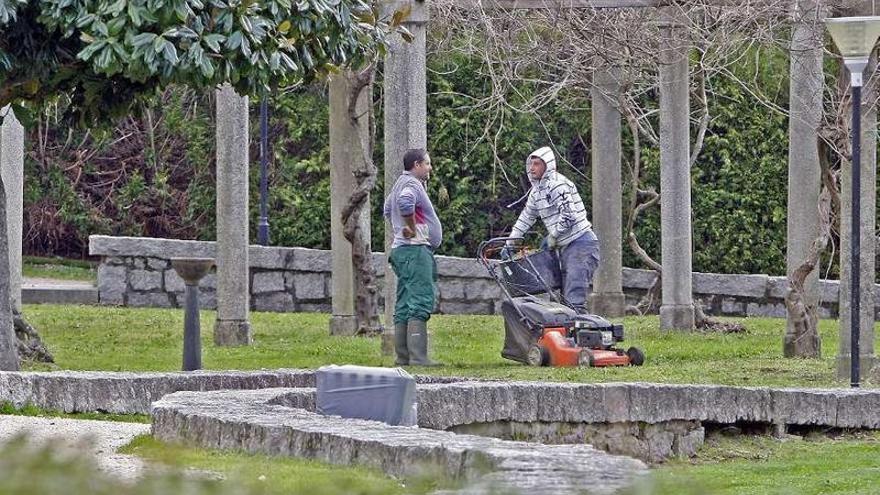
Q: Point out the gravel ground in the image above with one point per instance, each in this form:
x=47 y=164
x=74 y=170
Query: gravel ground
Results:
x=100 y=438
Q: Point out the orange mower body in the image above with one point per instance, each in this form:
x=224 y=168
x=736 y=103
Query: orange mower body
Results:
x=555 y=348
x=548 y=331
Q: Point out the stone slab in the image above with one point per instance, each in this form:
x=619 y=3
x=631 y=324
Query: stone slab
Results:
x=143 y=280
x=250 y=421
x=638 y=279
x=448 y=401
x=267 y=282
x=755 y=286
x=129 y=393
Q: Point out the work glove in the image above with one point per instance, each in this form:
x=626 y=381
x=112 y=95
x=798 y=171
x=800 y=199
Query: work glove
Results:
x=549 y=243
x=506 y=253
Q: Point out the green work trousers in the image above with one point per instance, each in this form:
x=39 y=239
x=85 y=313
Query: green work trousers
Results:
x=416 y=273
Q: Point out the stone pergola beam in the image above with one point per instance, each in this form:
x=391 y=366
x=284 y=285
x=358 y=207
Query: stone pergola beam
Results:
x=346 y=155
x=405 y=116
x=677 y=308
x=232 y=326
x=12 y=168
x=607 y=298
x=806 y=86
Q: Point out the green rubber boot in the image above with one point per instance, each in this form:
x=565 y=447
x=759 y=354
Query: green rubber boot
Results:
x=400 y=347
x=417 y=343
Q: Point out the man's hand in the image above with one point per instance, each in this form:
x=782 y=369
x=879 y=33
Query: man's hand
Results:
x=409 y=226
x=506 y=253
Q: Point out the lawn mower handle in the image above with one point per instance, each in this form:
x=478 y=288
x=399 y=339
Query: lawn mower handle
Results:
x=494 y=245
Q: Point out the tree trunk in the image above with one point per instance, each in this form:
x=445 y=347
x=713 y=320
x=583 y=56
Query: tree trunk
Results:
x=29 y=345
x=8 y=345
x=802 y=339
x=366 y=300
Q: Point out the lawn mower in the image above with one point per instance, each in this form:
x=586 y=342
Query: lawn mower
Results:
x=547 y=331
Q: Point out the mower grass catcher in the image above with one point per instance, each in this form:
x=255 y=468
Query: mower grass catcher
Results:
x=547 y=331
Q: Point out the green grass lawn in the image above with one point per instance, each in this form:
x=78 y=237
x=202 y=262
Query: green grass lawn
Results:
x=107 y=338
x=8 y=408
x=763 y=465
x=266 y=474
x=58 y=268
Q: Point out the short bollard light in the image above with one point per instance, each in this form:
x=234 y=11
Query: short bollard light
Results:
x=191 y=270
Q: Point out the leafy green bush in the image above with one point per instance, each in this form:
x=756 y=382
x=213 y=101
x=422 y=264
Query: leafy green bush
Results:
x=117 y=185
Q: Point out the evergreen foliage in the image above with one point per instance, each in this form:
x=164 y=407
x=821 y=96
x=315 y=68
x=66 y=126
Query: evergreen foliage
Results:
x=739 y=179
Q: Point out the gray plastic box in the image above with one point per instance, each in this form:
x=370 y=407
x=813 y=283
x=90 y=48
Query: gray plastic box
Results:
x=379 y=394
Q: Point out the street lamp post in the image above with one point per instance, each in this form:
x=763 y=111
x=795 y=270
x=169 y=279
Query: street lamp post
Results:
x=855 y=38
x=263 y=225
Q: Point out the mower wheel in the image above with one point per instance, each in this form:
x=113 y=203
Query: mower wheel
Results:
x=586 y=358
x=537 y=356
x=636 y=356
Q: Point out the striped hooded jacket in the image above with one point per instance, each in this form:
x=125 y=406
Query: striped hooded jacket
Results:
x=556 y=201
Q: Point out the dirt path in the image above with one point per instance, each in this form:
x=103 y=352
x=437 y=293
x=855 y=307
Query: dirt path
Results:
x=100 y=438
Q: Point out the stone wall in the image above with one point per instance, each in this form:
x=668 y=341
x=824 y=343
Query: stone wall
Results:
x=136 y=271
x=528 y=420
x=132 y=393
x=650 y=442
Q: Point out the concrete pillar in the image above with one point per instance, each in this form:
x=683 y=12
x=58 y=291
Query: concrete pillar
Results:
x=405 y=116
x=233 y=295
x=12 y=168
x=868 y=240
x=345 y=155
x=677 y=306
x=607 y=298
x=806 y=86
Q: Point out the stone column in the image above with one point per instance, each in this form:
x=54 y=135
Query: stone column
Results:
x=868 y=241
x=345 y=155
x=405 y=118
x=607 y=298
x=677 y=307
x=806 y=83
x=12 y=168
x=233 y=288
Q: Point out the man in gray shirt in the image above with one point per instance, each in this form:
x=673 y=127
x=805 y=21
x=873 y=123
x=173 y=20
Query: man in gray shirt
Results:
x=417 y=233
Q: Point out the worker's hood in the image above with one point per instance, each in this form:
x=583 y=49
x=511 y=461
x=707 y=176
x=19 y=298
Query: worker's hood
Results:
x=549 y=158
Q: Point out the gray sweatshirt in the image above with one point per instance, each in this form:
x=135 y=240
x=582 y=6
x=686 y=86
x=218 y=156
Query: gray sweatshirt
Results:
x=555 y=200
x=409 y=197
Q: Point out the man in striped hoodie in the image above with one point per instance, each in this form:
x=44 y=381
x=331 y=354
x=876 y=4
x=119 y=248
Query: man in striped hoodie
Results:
x=555 y=200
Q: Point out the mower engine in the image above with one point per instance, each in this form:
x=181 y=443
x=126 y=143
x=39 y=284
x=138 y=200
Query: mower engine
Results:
x=594 y=335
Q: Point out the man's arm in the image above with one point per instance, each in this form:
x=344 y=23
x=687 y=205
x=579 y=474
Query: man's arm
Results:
x=526 y=219
x=407 y=204
x=561 y=197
